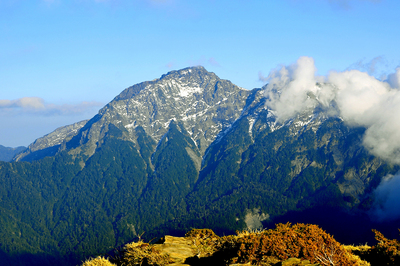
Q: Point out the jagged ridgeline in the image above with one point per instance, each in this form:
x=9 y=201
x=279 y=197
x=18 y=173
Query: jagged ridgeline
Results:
x=186 y=150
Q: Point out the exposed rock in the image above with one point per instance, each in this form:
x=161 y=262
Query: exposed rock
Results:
x=53 y=139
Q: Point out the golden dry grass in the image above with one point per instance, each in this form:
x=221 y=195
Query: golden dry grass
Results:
x=138 y=253
x=354 y=251
x=98 y=261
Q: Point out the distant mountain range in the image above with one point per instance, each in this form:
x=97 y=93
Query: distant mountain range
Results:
x=8 y=153
x=185 y=150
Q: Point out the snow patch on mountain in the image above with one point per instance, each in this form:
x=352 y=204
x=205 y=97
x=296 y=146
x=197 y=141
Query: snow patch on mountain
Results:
x=184 y=90
x=251 y=124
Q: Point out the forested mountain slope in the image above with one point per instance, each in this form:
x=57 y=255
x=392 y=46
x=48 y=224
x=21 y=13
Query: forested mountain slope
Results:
x=8 y=153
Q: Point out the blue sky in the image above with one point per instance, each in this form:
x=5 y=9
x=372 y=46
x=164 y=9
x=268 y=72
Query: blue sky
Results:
x=62 y=60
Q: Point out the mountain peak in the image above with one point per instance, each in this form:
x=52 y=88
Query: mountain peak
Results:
x=191 y=96
x=197 y=99
x=193 y=70
x=190 y=73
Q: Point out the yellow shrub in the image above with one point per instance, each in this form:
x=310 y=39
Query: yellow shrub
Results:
x=355 y=251
x=99 y=261
x=205 y=241
x=141 y=253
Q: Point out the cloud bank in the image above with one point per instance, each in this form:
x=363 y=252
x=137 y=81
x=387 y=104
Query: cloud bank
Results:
x=37 y=106
x=29 y=118
x=32 y=103
x=360 y=99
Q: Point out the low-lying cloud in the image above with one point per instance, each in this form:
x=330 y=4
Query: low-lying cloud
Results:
x=32 y=103
x=358 y=98
x=29 y=118
x=289 y=86
x=38 y=106
x=253 y=219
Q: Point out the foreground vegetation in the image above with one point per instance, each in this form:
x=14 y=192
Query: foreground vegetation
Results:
x=298 y=244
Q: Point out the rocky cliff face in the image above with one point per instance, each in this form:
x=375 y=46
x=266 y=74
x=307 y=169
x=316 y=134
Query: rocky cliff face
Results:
x=48 y=145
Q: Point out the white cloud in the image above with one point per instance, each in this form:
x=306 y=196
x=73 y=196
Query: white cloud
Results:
x=253 y=219
x=361 y=100
x=394 y=79
x=31 y=103
x=373 y=104
x=357 y=94
x=37 y=106
x=29 y=118
x=288 y=88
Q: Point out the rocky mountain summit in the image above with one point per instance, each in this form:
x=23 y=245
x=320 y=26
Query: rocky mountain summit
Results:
x=203 y=103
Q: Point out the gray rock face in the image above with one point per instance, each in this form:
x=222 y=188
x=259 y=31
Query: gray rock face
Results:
x=52 y=139
x=198 y=99
x=194 y=97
